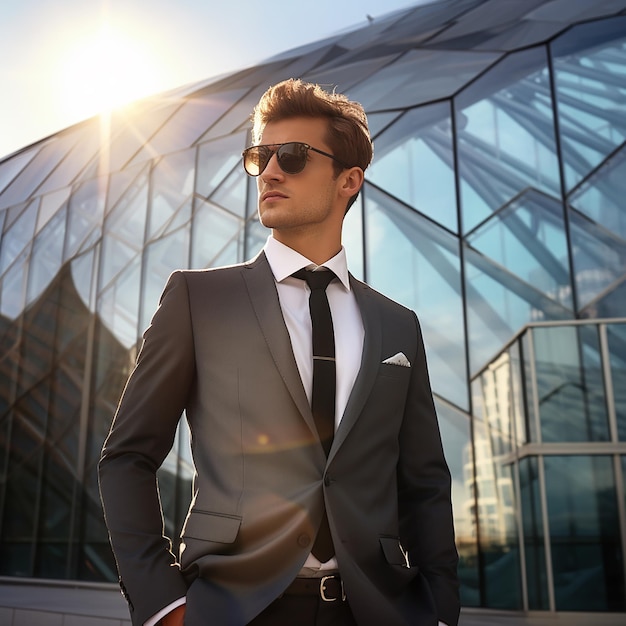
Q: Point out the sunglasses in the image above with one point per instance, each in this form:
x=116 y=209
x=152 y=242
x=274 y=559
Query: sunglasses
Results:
x=291 y=157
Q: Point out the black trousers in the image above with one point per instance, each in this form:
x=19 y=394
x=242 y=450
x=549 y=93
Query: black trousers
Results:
x=296 y=610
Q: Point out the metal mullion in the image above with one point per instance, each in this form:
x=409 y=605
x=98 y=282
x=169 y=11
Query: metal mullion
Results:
x=620 y=490
x=542 y=478
x=608 y=383
x=547 y=540
x=621 y=507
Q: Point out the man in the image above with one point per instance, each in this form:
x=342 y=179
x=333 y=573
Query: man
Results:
x=290 y=522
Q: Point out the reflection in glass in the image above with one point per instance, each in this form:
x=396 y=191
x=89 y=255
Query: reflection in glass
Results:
x=584 y=533
x=456 y=438
x=534 y=537
x=172 y=186
x=570 y=384
x=47 y=256
x=601 y=196
x=18 y=236
x=161 y=258
x=414 y=163
x=85 y=216
x=498 y=305
x=497 y=530
x=599 y=267
x=216 y=235
x=430 y=283
x=616 y=334
x=589 y=67
x=505 y=136
x=528 y=238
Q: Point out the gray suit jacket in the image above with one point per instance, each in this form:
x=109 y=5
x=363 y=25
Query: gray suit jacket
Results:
x=219 y=349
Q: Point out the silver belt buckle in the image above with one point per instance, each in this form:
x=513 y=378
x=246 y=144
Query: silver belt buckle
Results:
x=323 y=589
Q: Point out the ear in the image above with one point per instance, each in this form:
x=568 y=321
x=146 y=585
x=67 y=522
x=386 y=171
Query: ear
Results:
x=351 y=182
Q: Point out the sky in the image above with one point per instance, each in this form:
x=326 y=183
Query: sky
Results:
x=63 y=61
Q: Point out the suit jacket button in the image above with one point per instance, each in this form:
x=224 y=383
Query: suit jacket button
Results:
x=304 y=541
x=328 y=480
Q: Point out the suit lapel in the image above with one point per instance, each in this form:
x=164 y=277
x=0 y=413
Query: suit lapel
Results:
x=369 y=363
x=264 y=297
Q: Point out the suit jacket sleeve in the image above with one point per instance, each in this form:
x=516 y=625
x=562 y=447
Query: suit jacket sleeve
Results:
x=424 y=493
x=141 y=436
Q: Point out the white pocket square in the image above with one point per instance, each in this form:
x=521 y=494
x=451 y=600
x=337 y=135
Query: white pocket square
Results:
x=398 y=359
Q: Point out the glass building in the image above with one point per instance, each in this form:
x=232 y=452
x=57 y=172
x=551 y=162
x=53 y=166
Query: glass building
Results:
x=498 y=187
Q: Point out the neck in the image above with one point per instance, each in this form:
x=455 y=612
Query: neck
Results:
x=316 y=249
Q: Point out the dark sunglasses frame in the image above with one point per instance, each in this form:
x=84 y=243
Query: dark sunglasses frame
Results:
x=283 y=155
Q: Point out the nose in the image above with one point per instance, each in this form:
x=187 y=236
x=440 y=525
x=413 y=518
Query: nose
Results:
x=272 y=170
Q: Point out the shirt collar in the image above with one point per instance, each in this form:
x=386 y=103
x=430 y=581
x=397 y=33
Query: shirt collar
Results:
x=284 y=261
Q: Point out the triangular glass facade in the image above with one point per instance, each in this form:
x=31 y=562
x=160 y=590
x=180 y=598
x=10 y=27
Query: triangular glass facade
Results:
x=495 y=201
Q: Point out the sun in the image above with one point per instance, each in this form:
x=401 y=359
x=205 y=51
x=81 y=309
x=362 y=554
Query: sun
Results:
x=105 y=70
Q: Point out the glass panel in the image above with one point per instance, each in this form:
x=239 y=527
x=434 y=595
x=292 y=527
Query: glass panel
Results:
x=584 y=534
x=528 y=239
x=601 y=196
x=256 y=236
x=378 y=122
x=410 y=80
x=534 y=538
x=231 y=194
x=10 y=168
x=47 y=256
x=456 y=437
x=18 y=236
x=415 y=163
x=216 y=160
x=590 y=82
x=570 y=384
x=22 y=484
x=352 y=238
x=430 y=282
x=499 y=397
x=498 y=305
x=616 y=335
x=172 y=184
x=214 y=230
x=188 y=123
x=161 y=258
x=119 y=304
x=136 y=133
x=493 y=485
x=37 y=170
x=111 y=366
x=50 y=205
x=85 y=216
x=532 y=418
x=599 y=265
x=77 y=159
x=505 y=135
x=124 y=230
x=59 y=473
x=13 y=288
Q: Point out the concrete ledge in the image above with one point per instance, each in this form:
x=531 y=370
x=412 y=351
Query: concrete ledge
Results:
x=28 y=602
x=35 y=602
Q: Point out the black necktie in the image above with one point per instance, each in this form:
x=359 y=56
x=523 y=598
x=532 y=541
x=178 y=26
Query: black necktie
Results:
x=324 y=382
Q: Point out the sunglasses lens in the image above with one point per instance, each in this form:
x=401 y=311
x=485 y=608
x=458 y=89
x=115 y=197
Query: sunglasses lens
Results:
x=292 y=157
x=255 y=159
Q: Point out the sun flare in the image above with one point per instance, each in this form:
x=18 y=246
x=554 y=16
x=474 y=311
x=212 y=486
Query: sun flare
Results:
x=106 y=70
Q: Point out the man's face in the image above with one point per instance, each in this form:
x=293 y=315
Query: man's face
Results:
x=308 y=201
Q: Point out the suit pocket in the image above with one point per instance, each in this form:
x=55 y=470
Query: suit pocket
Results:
x=389 y=370
x=208 y=526
x=394 y=552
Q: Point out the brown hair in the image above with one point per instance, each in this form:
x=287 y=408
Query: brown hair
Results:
x=347 y=135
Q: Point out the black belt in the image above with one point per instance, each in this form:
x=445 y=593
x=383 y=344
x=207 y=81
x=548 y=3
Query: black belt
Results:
x=328 y=588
